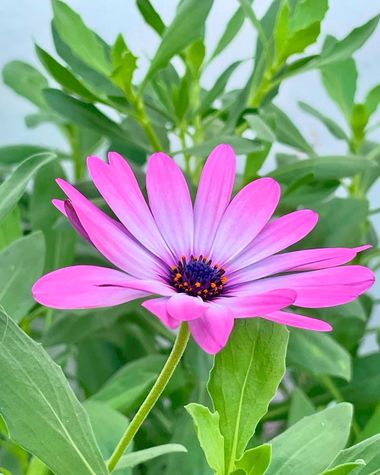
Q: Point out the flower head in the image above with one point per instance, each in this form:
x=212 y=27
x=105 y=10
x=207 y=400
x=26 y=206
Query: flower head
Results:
x=209 y=263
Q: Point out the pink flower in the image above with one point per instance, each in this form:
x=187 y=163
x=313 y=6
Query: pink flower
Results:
x=209 y=263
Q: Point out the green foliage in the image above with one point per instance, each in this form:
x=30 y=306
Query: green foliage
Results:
x=64 y=412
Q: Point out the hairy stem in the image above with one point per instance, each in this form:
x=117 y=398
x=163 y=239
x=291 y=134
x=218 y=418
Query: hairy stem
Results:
x=153 y=396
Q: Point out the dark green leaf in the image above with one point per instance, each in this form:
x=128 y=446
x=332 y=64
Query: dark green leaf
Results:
x=232 y=29
x=372 y=100
x=10 y=228
x=43 y=414
x=300 y=407
x=330 y=124
x=240 y=145
x=151 y=16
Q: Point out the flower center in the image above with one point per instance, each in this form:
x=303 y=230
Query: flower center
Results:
x=198 y=277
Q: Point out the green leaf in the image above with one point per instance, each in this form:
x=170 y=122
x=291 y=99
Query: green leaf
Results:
x=232 y=29
x=372 y=427
x=299 y=449
x=367 y=450
x=83 y=42
x=151 y=16
x=63 y=75
x=26 y=81
x=323 y=168
x=261 y=128
x=244 y=380
x=128 y=386
x=345 y=48
x=284 y=129
x=141 y=456
x=340 y=80
x=40 y=409
x=13 y=154
x=108 y=426
x=330 y=124
x=186 y=28
x=13 y=188
x=218 y=87
x=300 y=406
x=88 y=116
x=318 y=354
x=240 y=145
x=209 y=436
x=255 y=461
x=372 y=100
x=124 y=64
x=21 y=264
x=345 y=468
x=10 y=228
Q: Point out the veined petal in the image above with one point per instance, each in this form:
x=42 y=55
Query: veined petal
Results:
x=212 y=330
x=298 y=321
x=258 y=304
x=109 y=237
x=309 y=259
x=244 y=218
x=170 y=202
x=183 y=307
x=83 y=287
x=150 y=286
x=320 y=288
x=276 y=236
x=159 y=308
x=214 y=193
x=117 y=184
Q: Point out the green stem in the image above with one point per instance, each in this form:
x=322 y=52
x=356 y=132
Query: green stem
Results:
x=146 y=124
x=153 y=396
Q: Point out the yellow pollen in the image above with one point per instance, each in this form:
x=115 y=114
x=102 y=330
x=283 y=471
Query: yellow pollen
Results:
x=213 y=285
x=174 y=268
x=186 y=284
x=205 y=291
x=197 y=284
x=224 y=279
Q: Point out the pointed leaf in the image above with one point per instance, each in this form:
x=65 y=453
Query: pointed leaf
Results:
x=255 y=461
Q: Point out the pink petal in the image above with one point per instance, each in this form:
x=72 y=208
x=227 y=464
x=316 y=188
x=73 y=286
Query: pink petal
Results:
x=214 y=193
x=170 y=202
x=183 y=307
x=259 y=304
x=150 y=286
x=118 y=186
x=308 y=259
x=159 y=308
x=320 y=288
x=109 y=237
x=83 y=287
x=60 y=205
x=276 y=236
x=298 y=321
x=212 y=330
x=245 y=217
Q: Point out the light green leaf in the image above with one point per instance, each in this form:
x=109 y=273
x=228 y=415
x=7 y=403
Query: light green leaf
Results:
x=186 y=28
x=261 y=128
x=21 y=263
x=300 y=406
x=255 y=461
x=63 y=75
x=244 y=380
x=128 y=386
x=340 y=80
x=13 y=188
x=323 y=168
x=330 y=124
x=372 y=100
x=284 y=129
x=10 y=228
x=209 y=436
x=345 y=468
x=124 y=64
x=240 y=145
x=83 y=42
x=151 y=16
x=318 y=354
x=141 y=456
x=367 y=450
x=26 y=81
x=88 y=116
x=232 y=29
x=13 y=154
x=40 y=409
x=299 y=449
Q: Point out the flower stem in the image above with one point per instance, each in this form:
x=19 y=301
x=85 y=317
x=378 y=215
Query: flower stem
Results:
x=154 y=394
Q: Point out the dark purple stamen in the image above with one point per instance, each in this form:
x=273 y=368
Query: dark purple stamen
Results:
x=198 y=277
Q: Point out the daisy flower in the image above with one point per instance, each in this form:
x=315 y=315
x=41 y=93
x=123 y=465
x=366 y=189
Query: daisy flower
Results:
x=206 y=263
